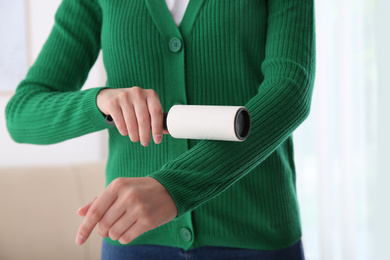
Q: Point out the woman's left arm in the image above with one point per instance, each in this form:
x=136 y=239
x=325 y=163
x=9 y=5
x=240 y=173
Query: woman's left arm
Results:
x=280 y=106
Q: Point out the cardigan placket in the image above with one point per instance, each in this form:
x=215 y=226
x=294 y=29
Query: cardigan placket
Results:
x=174 y=52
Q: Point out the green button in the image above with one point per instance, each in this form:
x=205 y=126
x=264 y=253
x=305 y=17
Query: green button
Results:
x=175 y=44
x=185 y=234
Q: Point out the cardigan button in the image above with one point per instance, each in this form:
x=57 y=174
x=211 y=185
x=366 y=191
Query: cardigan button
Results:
x=185 y=234
x=175 y=44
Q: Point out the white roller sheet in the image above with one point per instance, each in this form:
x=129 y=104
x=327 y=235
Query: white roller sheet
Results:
x=206 y=122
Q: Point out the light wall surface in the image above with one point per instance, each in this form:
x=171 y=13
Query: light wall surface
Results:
x=380 y=185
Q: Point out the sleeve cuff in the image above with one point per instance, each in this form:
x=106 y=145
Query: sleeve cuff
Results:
x=165 y=177
x=93 y=114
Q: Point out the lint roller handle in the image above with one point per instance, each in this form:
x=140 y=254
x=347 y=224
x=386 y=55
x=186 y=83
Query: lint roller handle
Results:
x=111 y=122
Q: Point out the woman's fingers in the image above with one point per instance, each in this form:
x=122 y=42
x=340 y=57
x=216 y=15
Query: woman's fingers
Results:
x=143 y=119
x=84 y=209
x=121 y=225
x=133 y=232
x=117 y=116
x=112 y=215
x=156 y=115
x=137 y=112
x=131 y=121
x=94 y=214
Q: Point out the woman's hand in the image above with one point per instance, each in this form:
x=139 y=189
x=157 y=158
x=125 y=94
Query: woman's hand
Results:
x=135 y=111
x=127 y=208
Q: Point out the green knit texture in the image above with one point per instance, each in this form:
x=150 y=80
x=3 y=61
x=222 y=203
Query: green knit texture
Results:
x=260 y=54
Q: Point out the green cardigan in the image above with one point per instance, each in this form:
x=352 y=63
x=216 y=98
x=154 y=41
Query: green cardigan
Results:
x=256 y=53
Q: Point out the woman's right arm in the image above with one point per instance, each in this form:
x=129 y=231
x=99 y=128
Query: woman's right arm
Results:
x=48 y=106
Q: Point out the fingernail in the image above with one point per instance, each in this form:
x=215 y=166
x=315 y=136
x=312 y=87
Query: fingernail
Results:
x=79 y=240
x=158 y=138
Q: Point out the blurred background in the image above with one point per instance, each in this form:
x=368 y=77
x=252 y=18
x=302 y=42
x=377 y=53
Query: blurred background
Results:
x=342 y=150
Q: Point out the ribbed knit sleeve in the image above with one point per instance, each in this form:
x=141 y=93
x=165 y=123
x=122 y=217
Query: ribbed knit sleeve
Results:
x=48 y=106
x=280 y=106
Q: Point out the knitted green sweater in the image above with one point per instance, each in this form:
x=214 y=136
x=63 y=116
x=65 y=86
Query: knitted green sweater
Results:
x=256 y=53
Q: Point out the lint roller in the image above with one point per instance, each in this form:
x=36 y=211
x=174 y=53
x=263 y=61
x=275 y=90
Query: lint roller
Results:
x=224 y=123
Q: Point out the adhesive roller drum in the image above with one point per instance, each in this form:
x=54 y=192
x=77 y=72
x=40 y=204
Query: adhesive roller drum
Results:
x=225 y=123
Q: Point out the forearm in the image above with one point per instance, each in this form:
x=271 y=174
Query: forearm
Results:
x=211 y=167
x=280 y=106
x=38 y=115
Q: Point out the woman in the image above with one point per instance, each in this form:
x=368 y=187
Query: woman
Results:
x=174 y=198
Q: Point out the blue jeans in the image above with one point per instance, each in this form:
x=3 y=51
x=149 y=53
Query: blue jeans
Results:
x=145 y=252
